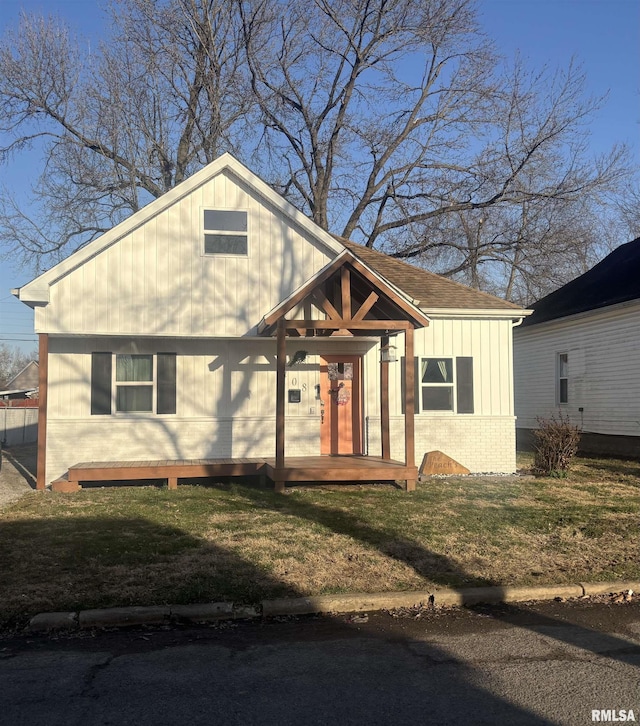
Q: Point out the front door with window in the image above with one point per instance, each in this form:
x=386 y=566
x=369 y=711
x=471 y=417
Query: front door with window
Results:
x=341 y=404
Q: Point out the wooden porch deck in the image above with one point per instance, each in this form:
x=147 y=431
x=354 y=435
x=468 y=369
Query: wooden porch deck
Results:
x=296 y=469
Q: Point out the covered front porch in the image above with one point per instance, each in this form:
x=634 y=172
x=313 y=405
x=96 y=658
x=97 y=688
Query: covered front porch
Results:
x=346 y=300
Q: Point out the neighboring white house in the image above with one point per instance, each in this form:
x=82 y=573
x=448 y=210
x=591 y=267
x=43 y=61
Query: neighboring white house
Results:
x=159 y=339
x=579 y=354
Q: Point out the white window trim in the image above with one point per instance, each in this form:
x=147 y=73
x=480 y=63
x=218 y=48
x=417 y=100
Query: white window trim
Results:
x=153 y=383
x=453 y=385
x=561 y=378
x=204 y=231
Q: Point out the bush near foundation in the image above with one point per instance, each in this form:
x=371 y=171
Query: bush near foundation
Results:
x=556 y=443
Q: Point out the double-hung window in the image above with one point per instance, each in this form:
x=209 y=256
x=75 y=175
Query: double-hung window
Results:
x=225 y=232
x=133 y=383
x=436 y=384
x=445 y=384
x=562 y=378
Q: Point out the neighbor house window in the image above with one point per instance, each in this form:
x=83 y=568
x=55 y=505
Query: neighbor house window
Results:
x=563 y=378
x=133 y=383
x=445 y=384
x=225 y=232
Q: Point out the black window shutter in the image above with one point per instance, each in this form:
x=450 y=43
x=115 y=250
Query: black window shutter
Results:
x=166 y=383
x=100 y=384
x=416 y=384
x=464 y=380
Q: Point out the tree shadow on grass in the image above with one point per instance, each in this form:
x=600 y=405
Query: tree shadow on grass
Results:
x=80 y=562
x=76 y=563
x=135 y=561
x=616 y=467
x=443 y=571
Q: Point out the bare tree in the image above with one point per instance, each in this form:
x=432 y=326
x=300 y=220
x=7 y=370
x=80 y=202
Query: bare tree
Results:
x=120 y=124
x=519 y=252
x=628 y=205
x=390 y=122
x=366 y=101
x=399 y=128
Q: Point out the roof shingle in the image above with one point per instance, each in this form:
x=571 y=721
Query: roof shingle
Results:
x=615 y=279
x=427 y=288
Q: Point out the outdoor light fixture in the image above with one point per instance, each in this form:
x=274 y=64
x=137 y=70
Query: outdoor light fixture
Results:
x=388 y=354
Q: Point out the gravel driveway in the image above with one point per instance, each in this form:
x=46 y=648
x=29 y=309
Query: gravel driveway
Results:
x=17 y=476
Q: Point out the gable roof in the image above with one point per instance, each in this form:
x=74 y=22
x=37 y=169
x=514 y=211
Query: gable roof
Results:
x=614 y=280
x=21 y=372
x=425 y=290
x=428 y=290
x=346 y=258
x=37 y=291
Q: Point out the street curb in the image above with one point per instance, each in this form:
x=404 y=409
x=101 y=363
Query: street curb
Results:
x=351 y=603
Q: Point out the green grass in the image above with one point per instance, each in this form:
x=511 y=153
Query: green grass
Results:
x=148 y=545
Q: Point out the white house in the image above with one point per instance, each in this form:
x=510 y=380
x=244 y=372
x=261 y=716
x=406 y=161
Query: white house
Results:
x=219 y=317
x=579 y=354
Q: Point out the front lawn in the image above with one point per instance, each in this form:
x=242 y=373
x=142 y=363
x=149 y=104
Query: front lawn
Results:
x=147 y=545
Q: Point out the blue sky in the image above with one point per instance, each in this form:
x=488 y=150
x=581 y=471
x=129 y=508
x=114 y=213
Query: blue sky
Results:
x=603 y=35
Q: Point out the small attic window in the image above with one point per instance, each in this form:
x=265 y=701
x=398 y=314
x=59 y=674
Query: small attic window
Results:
x=225 y=232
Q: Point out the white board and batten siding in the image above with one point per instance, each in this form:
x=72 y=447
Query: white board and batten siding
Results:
x=226 y=399
x=150 y=289
x=603 y=348
x=157 y=278
x=483 y=441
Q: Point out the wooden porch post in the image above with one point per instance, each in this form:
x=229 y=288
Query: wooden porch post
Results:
x=43 y=369
x=409 y=406
x=280 y=381
x=384 y=401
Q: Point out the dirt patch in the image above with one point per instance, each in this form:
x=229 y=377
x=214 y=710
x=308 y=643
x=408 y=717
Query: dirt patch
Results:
x=18 y=473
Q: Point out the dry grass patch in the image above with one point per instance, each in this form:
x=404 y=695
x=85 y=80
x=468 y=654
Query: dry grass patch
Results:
x=104 y=547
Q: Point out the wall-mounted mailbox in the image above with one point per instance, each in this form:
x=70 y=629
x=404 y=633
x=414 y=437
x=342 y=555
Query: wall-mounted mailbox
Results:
x=294 y=395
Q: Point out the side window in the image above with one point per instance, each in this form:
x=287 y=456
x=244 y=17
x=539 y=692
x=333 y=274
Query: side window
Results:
x=445 y=384
x=225 y=232
x=131 y=383
x=562 y=378
x=436 y=384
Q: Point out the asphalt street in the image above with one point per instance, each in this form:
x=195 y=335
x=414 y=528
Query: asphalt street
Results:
x=551 y=663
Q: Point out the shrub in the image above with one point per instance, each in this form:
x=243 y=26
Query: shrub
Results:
x=556 y=443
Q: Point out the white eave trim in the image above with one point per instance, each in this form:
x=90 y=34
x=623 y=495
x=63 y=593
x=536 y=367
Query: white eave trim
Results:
x=505 y=314
x=603 y=312
x=32 y=295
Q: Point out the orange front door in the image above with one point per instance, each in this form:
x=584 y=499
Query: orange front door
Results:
x=340 y=402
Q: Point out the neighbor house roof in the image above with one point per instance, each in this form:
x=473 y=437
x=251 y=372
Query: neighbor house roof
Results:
x=616 y=279
x=26 y=373
x=428 y=290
